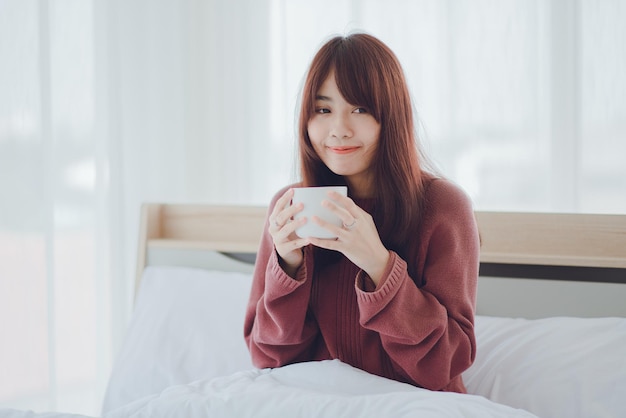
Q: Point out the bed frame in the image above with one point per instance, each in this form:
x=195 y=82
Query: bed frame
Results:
x=533 y=265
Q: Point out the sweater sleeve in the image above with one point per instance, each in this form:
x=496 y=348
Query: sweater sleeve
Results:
x=277 y=329
x=428 y=332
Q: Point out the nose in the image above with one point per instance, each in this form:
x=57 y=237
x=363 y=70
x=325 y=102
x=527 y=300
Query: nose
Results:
x=341 y=127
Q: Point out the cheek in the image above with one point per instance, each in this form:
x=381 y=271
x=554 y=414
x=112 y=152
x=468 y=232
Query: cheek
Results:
x=316 y=135
x=375 y=138
x=376 y=129
x=315 y=131
x=318 y=148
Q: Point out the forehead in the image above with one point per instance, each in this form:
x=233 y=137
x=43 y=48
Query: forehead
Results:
x=329 y=83
x=328 y=90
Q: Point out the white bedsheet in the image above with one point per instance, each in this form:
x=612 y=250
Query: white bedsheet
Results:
x=315 y=389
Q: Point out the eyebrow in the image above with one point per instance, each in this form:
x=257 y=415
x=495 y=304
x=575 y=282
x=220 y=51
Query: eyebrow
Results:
x=324 y=98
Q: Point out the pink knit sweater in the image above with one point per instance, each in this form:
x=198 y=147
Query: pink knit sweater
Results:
x=417 y=330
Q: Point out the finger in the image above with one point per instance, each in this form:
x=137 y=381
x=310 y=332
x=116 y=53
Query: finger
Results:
x=283 y=234
x=344 y=215
x=346 y=204
x=329 y=244
x=349 y=224
x=283 y=210
x=291 y=211
x=288 y=246
x=332 y=228
x=282 y=229
x=285 y=198
x=281 y=203
x=343 y=201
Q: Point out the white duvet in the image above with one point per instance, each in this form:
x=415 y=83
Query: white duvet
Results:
x=315 y=389
x=554 y=367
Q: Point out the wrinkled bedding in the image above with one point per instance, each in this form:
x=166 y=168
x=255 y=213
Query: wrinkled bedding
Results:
x=314 y=389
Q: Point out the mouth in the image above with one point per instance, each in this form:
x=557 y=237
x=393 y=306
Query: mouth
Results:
x=343 y=150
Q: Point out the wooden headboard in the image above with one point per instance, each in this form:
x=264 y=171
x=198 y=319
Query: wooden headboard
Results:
x=532 y=264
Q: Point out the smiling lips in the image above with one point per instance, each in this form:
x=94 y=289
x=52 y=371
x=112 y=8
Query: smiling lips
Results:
x=343 y=150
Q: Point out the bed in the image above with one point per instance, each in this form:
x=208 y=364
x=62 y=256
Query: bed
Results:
x=550 y=326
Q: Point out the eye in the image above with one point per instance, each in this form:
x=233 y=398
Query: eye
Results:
x=322 y=110
x=360 y=110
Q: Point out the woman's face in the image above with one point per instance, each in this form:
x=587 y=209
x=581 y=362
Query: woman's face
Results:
x=344 y=136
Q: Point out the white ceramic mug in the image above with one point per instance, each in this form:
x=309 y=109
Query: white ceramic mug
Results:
x=312 y=198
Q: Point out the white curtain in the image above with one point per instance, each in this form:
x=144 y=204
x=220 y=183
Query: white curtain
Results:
x=108 y=104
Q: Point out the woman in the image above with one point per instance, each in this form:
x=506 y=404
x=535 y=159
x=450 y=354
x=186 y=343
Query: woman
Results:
x=394 y=294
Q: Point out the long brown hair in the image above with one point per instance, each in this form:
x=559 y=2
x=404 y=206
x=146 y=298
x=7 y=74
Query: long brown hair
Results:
x=368 y=74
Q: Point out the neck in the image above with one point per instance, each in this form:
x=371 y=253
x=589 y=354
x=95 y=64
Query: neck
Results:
x=360 y=186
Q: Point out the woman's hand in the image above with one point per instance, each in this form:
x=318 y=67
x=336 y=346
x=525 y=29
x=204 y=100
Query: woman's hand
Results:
x=282 y=229
x=358 y=239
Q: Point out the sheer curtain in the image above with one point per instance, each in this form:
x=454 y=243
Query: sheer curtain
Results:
x=54 y=262
x=108 y=104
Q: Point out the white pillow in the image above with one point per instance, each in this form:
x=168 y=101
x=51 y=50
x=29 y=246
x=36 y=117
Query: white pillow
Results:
x=187 y=325
x=554 y=367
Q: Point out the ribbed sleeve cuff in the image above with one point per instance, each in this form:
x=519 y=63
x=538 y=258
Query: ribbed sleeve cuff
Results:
x=278 y=282
x=395 y=273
